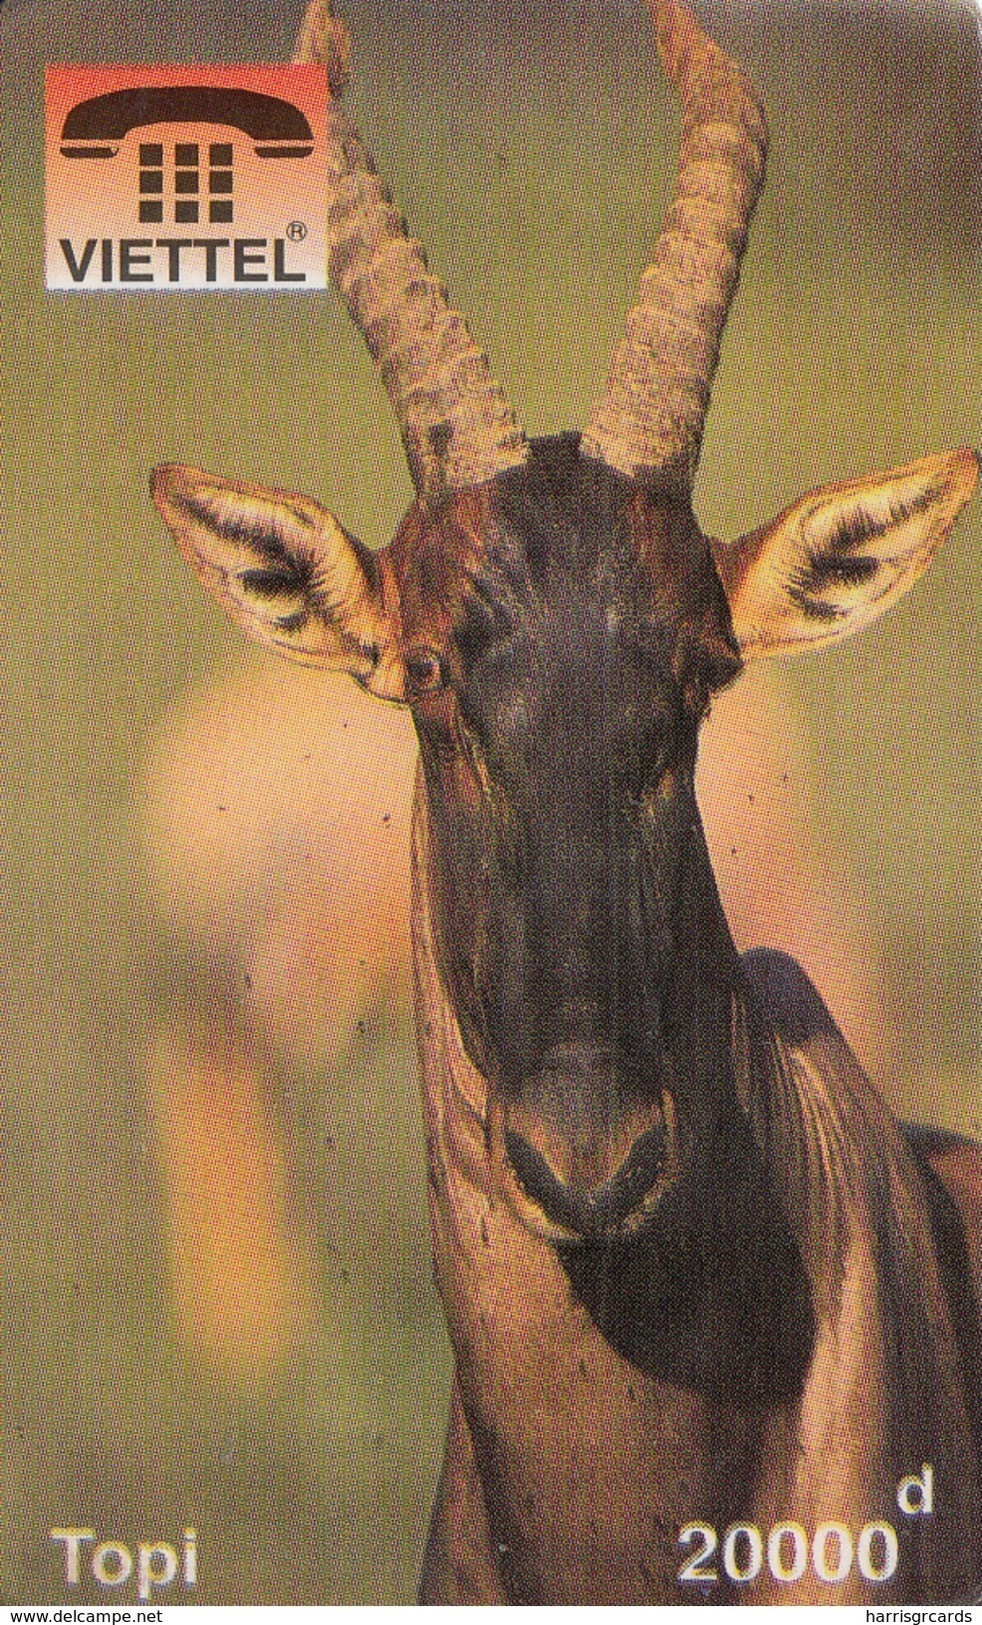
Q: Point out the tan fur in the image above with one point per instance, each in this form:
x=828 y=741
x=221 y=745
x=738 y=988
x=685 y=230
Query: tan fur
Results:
x=801 y=582
x=586 y=1467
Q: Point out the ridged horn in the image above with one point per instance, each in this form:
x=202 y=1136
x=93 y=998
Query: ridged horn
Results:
x=650 y=421
x=456 y=426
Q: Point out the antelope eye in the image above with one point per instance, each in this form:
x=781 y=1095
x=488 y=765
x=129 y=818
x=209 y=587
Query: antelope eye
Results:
x=424 y=671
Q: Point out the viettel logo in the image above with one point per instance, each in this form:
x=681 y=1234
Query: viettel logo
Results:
x=185 y=177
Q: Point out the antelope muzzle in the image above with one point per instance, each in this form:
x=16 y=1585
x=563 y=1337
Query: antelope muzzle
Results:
x=584 y=1147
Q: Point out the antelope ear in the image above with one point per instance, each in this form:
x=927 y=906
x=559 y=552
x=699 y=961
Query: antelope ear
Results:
x=285 y=570
x=839 y=557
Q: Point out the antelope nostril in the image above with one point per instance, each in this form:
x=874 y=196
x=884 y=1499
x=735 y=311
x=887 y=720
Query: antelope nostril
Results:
x=589 y=1212
x=538 y=1181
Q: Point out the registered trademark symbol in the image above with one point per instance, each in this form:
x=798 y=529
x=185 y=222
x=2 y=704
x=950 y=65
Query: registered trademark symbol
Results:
x=296 y=231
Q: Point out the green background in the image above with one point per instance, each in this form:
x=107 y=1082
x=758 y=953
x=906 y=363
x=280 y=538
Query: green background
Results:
x=531 y=146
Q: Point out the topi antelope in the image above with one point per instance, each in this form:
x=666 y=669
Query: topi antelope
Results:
x=714 y=1313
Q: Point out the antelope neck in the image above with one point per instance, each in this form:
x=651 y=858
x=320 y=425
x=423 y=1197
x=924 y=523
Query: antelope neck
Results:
x=667 y=1299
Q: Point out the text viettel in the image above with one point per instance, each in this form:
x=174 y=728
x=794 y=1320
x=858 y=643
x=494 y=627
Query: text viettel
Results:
x=113 y=261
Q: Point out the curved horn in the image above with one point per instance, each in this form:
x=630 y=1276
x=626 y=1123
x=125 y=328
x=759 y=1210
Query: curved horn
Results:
x=456 y=425
x=650 y=421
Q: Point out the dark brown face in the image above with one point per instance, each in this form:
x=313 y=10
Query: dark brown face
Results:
x=561 y=635
x=557 y=629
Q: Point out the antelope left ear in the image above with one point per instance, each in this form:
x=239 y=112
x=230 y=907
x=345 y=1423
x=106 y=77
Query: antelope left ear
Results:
x=284 y=569
x=840 y=556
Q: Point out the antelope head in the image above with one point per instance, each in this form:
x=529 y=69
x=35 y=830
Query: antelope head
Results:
x=556 y=621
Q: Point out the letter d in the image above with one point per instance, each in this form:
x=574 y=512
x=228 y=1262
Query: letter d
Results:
x=915 y=1494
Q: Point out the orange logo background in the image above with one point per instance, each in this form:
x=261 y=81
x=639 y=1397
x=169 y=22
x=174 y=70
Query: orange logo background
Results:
x=175 y=186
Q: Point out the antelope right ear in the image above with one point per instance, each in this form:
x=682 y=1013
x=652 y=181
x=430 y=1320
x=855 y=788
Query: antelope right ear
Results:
x=840 y=556
x=285 y=570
